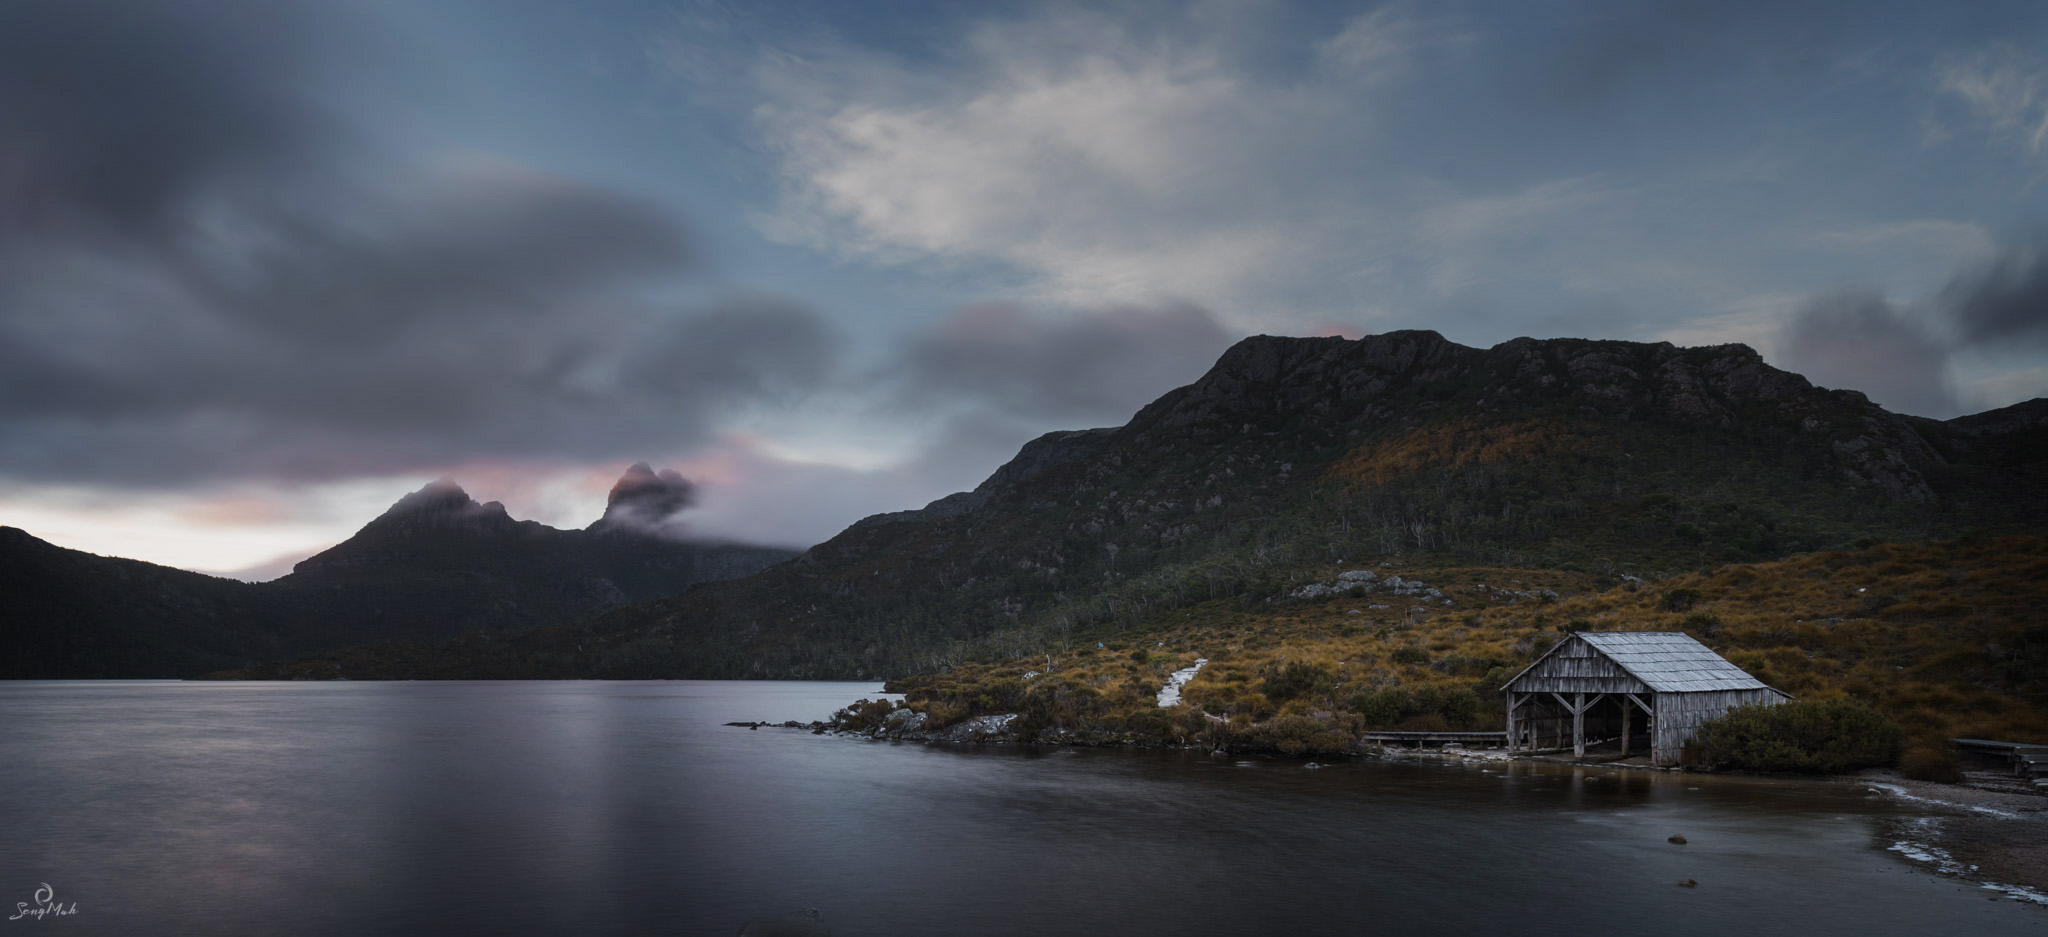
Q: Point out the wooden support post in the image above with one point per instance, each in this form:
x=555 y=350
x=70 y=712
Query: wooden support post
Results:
x=1511 y=720
x=1579 y=725
x=1624 y=728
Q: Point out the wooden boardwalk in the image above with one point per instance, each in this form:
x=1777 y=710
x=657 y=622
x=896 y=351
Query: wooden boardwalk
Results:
x=2028 y=761
x=1439 y=739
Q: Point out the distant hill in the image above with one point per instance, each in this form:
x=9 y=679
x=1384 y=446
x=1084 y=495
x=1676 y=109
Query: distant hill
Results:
x=1596 y=457
x=435 y=564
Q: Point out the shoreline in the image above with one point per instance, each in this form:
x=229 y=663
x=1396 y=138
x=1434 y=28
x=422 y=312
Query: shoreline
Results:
x=1989 y=830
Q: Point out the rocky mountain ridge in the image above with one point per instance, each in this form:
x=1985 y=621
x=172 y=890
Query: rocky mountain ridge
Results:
x=1291 y=453
x=436 y=563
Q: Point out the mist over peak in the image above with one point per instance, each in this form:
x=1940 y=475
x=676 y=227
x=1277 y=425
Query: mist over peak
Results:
x=646 y=502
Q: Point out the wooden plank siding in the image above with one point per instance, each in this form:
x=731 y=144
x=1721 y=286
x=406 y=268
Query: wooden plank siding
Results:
x=1588 y=685
x=1577 y=668
x=1679 y=716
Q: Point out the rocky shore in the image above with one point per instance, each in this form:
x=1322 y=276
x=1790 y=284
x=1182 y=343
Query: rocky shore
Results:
x=1989 y=829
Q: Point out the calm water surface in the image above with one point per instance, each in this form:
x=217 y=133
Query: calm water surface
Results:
x=626 y=808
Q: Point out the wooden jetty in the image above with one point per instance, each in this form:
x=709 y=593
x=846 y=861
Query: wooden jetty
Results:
x=2029 y=762
x=1440 y=739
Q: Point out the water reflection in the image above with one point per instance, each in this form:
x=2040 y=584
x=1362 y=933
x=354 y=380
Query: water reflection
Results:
x=627 y=808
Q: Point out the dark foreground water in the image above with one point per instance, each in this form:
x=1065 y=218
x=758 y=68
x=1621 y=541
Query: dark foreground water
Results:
x=626 y=808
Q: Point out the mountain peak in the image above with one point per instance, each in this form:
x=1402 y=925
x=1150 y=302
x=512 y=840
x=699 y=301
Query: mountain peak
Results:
x=438 y=497
x=646 y=502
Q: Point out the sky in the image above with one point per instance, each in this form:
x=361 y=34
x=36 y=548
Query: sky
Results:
x=267 y=265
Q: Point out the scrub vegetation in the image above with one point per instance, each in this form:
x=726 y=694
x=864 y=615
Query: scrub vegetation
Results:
x=1888 y=646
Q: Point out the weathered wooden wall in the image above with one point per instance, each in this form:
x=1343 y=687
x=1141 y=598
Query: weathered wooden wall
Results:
x=1679 y=716
x=1576 y=667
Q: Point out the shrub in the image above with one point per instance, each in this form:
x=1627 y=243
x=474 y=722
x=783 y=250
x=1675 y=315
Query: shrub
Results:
x=863 y=715
x=1296 y=735
x=1409 y=655
x=1700 y=623
x=942 y=713
x=1296 y=679
x=1931 y=763
x=1457 y=706
x=1380 y=708
x=1804 y=736
x=1681 y=600
x=1255 y=705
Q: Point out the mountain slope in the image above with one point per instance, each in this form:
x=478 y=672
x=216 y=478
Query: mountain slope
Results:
x=1593 y=456
x=64 y=613
x=435 y=564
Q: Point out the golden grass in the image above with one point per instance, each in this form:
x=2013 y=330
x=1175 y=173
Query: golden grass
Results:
x=1946 y=638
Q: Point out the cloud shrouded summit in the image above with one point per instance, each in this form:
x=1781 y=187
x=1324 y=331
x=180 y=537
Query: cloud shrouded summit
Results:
x=647 y=502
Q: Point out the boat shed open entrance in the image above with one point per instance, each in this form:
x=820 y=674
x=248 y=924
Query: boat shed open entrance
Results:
x=1643 y=688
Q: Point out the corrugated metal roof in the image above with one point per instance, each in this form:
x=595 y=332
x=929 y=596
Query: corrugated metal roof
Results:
x=1671 y=661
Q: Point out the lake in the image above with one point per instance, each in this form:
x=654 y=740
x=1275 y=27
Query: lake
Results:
x=160 y=807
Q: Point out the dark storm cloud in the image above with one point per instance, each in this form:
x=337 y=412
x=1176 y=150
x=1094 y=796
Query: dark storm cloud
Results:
x=2005 y=301
x=1859 y=340
x=494 y=244
x=1094 y=368
x=1902 y=357
x=114 y=113
x=187 y=292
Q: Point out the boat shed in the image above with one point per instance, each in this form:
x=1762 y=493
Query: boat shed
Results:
x=1593 y=682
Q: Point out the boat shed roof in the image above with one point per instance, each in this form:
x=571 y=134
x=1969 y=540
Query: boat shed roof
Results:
x=1661 y=661
x=1670 y=661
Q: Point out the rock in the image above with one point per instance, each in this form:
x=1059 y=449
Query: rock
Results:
x=1688 y=883
x=1680 y=840
x=980 y=728
x=903 y=722
x=1358 y=575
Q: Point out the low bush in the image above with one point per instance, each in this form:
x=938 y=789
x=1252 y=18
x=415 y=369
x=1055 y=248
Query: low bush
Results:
x=1681 y=600
x=1931 y=763
x=863 y=715
x=1296 y=679
x=1296 y=735
x=1803 y=736
x=1409 y=655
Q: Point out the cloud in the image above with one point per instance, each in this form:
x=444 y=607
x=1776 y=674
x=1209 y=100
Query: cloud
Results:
x=1093 y=159
x=647 y=502
x=1905 y=358
x=1859 y=340
x=187 y=293
x=115 y=115
x=1093 y=368
x=1952 y=241
x=2003 y=302
x=2005 y=89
